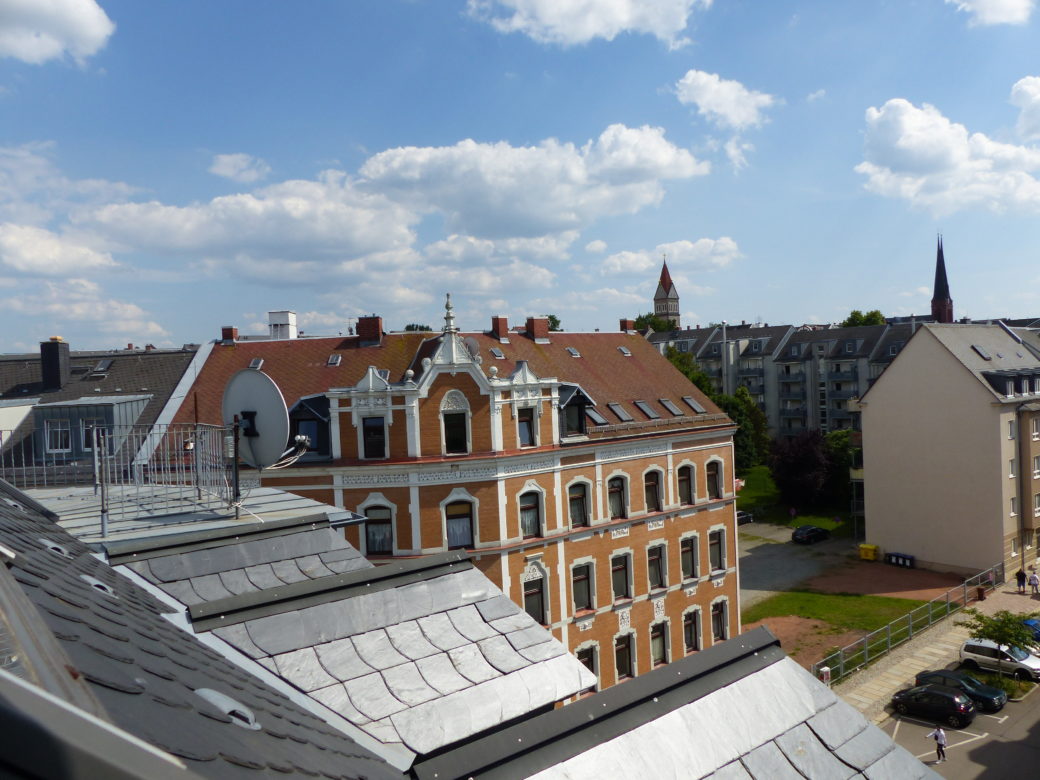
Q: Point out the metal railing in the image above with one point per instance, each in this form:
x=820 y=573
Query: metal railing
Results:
x=134 y=469
x=876 y=644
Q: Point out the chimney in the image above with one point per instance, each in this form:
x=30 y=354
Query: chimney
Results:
x=229 y=333
x=627 y=325
x=538 y=329
x=500 y=328
x=55 y=366
x=282 y=324
x=370 y=330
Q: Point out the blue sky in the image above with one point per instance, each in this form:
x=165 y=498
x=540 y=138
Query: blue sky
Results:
x=170 y=167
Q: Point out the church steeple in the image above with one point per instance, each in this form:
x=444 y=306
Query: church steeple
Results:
x=942 y=303
x=666 y=299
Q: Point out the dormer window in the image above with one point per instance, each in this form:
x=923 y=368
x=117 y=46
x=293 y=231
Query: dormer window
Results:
x=455 y=423
x=525 y=427
x=850 y=346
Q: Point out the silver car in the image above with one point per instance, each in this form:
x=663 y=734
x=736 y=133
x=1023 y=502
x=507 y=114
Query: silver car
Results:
x=984 y=654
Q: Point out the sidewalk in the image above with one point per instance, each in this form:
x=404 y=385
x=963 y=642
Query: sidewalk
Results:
x=871 y=689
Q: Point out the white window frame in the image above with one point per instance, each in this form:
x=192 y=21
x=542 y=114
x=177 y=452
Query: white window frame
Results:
x=626 y=494
x=460 y=494
x=724 y=600
x=361 y=436
x=532 y=487
x=718 y=529
x=630 y=572
x=535 y=425
x=698 y=614
x=664 y=566
x=696 y=556
x=589 y=503
x=591 y=563
x=455 y=402
x=63 y=428
x=378 y=499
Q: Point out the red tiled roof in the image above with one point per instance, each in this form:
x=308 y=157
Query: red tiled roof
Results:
x=299 y=367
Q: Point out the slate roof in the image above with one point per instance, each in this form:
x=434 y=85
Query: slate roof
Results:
x=299 y=368
x=741 y=710
x=140 y=674
x=865 y=336
x=418 y=653
x=969 y=343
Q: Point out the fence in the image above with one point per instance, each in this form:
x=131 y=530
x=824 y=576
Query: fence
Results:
x=135 y=469
x=851 y=658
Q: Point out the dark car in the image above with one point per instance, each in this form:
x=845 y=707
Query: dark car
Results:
x=744 y=517
x=809 y=534
x=985 y=697
x=935 y=703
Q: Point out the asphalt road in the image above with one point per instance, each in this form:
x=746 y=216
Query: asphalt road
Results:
x=771 y=563
x=995 y=746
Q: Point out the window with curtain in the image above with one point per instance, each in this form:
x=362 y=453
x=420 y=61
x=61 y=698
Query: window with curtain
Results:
x=659 y=644
x=688 y=557
x=714 y=480
x=530 y=519
x=616 y=497
x=619 y=577
x=534 y=599
x=652 y=491
x=719 y=627
x=717 y=549
x=692 y=631
x=577 y=499
x=581 y=585
x=685 y=478
x=459 y=521
x=379 y=531
x=655 y=566
x=623 y=656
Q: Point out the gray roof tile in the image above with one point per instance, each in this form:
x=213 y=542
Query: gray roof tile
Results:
x=340 y=659
x=471 y=664
x=835 y=725
x=236 y=582
x=288 y=571
x=370 y=695
x=441 y=633
x=312 y=566
x=238 y=637
x=516 y=620
x=732 y=771
x=335 y=698
x=440 y=672
x=415 y=600
x=468 y=622
x=377 y=651
x=767 y=762
x=210 y=588
x=263 y=576
x=543 y=651
x=810 y=756
x=495 y=608
x=526 y=637
x=865 y=748
x=407 y=684
x=279 y=633
x=409 y=640
x=899 y=763
x=303 y=669
x=501 y=654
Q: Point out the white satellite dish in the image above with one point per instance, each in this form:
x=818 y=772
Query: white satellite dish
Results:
x=255 y=399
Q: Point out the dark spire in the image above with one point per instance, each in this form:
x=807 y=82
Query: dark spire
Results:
x=666 y=299
x=942 y=303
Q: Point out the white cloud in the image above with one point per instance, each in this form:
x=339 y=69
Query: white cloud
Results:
x=921 y=156
x=726 y=103
x=812 y=97
x=239 y=167
x=735 y=150
x=35 y=31
x=704 y=253
x=596 y=246
x=1025 y=94
x=72 y=302
x=470 y=250
x=34 y=250
x=570 y=22
x=987 y=12
x=502 y=191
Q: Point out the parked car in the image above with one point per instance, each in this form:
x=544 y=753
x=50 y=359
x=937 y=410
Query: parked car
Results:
x=1034 y=625
x=984 y=654
x=744 y=517
x=936 y=703
x=809 y=534
x=985 y=697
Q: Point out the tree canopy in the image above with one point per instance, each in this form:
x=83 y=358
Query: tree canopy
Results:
x=417 y=326
x=857 y=318
x=751 y=440
x=652 y=321
x=799 y=467
x=554 y=322
x=1003 y=627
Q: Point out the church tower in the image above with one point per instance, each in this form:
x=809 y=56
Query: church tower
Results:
x=666 y=299
x=942 y=303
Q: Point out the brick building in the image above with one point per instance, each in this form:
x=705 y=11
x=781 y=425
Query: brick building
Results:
x=586 y=476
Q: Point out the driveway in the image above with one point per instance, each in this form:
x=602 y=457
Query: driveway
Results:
x=770 y=563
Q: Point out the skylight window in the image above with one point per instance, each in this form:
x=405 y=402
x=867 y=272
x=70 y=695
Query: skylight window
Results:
x=693 y=404
x=667 y=404
x=256 y=363
x=981 y=352
x=646 y=409
x=621 y=412
x=334 y=360
x=496 y=352
x=102 y=367
x=624 y=351
x=595 y=416
x=573 y=352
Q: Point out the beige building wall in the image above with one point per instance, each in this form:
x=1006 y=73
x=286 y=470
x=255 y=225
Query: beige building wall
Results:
x=935 y=457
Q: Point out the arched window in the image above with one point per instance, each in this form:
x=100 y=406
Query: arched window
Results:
x=686 y=491
x=616 y=497
x=379 y=531
x=530 y=516
x=578 y=503
x=455 y=423
x=458 y=517
x=714 y=473
x=652 y=491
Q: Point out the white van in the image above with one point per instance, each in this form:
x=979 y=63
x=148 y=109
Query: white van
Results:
x=982 y=653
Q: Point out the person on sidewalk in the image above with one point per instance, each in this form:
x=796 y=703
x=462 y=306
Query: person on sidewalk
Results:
x=1034 y=583
x=940 y=742
x=1020 y=578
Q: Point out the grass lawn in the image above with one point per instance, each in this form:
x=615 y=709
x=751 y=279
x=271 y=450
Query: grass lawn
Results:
x=843 y=611
x=760 y=497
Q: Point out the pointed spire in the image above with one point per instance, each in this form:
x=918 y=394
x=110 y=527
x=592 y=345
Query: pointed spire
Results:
x=666 y=278
x=942 y=303
x=449 y=316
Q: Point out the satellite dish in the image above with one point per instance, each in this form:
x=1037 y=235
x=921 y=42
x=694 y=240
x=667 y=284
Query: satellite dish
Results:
x=263 y=419
x=472 y=346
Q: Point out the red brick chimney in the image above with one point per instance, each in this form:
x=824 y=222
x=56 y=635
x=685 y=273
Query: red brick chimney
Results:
x=500 y=328
x=538 y=328
x=627 y=325
x=370 y=329
x=229 y=333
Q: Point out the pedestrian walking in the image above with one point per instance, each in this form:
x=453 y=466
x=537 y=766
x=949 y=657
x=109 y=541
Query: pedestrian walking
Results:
x=940 y=742
x=1020 y=578
x=1034 y=583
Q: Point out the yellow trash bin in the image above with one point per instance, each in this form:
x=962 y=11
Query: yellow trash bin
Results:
x=868 y=552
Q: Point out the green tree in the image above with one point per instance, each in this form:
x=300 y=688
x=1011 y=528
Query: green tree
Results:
x=750 y=442
x=1003 y=627
x=417 y=326
x=857 y=318
x=554 y=322
x=799 y=467
x=652 y=321
x=840 y=454
x=688 y=367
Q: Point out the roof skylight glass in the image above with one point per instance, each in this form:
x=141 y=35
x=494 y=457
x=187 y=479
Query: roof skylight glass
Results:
x=646 y=409
x=621 y=412
x=624 y=351
x=334 y=360
x=595 y=416
x=573 y=352
x=667 y=404
x=496 y=352
x=693 y=404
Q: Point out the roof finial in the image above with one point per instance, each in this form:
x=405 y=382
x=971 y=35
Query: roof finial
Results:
x=449 y=315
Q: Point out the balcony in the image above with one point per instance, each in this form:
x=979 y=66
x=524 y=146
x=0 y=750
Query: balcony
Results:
x=792 y=394
x=794 y=376
x=800 y=412
x=751 y=372
x=843 y=394
x=840 y=414
x=843 y=376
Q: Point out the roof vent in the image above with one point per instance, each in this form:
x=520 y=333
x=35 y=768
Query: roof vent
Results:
x=624 y=351
x=240 y=714
x=56 y=548
x=981 y=352
x=573 y=352
x=334 y=360
x=256 y=363
x=496 y=352
x=97 y=584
